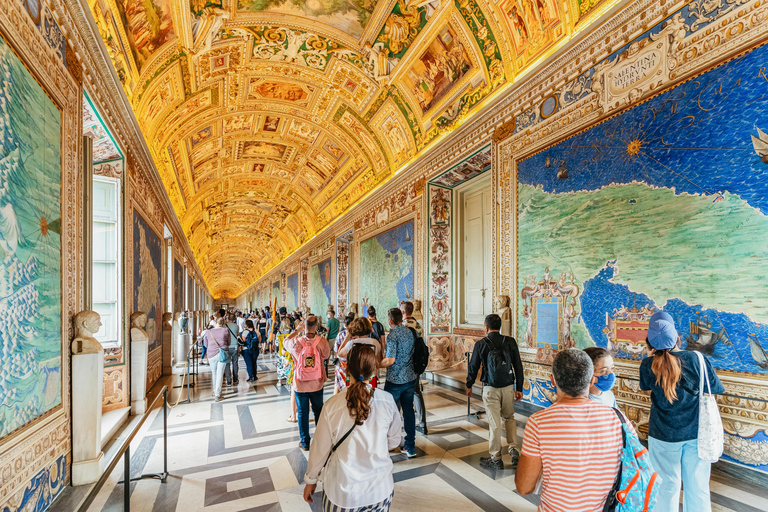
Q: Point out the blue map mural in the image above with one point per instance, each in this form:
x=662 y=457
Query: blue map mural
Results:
x=147 y=262
x=386 y=268
x=320 y=279
x=292 y=293
x=30 y=247
x=662 y=207
x=275 y=293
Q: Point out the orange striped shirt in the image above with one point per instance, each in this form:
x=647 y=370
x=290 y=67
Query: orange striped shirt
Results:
x=579 y=446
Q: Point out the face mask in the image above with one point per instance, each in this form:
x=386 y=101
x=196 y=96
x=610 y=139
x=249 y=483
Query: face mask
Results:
x=606 y=382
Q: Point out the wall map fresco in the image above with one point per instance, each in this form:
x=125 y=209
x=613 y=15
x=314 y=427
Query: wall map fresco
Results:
x=30 y=245
x=386 y=268
x=320 y=279
x=146 y=276
x=660 y=207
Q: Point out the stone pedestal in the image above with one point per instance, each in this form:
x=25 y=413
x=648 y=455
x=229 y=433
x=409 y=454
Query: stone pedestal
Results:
x=87 y=390
x=175 y=332
x=184 y=341
x=139 y=363
x=167 y=344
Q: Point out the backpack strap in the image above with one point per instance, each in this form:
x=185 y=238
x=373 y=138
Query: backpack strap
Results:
x=611 y=501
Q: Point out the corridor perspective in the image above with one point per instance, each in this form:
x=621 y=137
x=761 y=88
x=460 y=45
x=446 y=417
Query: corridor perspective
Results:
x=372 y=255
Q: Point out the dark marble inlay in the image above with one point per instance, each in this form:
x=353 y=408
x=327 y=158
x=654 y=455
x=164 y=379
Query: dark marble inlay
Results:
x=216 y=487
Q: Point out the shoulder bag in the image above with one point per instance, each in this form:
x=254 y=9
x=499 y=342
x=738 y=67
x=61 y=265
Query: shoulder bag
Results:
x=344 y=438
x=710 y=440
x=224 y=356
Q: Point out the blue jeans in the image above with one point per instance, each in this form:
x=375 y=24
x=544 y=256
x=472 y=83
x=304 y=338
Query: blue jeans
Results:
x=403 y=395
x=251 y=356
x=231 y=374
x=680 y=461
x=303 y=401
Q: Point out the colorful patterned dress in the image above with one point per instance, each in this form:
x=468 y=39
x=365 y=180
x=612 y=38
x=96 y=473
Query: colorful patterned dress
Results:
x=341 y=364
x=284 y=360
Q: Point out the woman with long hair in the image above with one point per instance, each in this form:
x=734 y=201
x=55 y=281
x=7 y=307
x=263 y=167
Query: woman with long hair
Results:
x=672 y=376
x=359 y=333
x=354 y=434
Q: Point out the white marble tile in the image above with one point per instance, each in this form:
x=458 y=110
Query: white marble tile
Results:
x=237 y=485
x=282 y=474
x=429 y=493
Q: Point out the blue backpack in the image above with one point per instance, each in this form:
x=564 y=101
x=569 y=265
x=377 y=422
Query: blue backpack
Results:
x=637 y=485
x=252 y=341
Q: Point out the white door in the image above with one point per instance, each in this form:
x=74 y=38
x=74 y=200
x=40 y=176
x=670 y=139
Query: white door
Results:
x=477 y=256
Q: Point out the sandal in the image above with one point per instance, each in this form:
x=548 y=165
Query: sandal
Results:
x=291 y=419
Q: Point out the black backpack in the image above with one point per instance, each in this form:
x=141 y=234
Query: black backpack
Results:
x=420 y=353
x=498 y=365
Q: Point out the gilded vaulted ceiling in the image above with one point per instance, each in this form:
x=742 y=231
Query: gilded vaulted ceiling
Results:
x=267 y=119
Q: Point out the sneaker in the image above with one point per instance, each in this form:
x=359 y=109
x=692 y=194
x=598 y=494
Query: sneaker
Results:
x=229 y=383
x=304 y=447
x=423 y=430
x=490 y=463
x=515 y=455
x=218 y=399
x=410 y=453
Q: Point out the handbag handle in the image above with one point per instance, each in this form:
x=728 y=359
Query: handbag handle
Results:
x=703 y=374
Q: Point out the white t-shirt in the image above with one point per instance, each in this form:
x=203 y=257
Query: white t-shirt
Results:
x=606 y=398
x=359 y=473
x=240 y=324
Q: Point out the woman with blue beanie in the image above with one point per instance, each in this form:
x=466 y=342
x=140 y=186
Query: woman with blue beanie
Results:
x=672 y=376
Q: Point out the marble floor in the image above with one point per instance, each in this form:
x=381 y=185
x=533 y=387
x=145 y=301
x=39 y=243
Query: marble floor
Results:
x=241 y=455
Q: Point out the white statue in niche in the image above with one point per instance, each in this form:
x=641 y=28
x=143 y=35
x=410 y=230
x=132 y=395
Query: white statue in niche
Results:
x=87 y=323
x=138 y=323
x=504 y=311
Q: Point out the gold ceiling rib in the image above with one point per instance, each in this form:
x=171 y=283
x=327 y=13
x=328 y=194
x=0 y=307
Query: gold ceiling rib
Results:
x=268 y=119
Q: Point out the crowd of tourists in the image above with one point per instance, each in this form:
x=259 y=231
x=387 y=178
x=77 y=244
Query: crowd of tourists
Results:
x=579 y=454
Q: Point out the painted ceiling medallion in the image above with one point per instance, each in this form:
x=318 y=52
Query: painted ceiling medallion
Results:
x=273 y=117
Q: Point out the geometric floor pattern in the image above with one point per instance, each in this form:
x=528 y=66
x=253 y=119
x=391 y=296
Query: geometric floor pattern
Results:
x=241 y=455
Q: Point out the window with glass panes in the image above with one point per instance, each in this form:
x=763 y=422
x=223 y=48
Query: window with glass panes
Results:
x=106 y=257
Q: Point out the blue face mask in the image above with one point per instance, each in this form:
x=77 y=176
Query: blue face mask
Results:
x=606 y=382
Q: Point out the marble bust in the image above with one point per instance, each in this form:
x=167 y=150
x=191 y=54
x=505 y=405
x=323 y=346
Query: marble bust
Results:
x=87 y=323
x=504 y=311
x=353 y=309
x=168 y=318
x=417 y=314
x=138 y=322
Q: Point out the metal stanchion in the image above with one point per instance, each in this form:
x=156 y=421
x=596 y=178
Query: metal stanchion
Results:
x=127 y=479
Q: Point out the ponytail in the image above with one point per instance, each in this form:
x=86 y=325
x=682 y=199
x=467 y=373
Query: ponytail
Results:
x=361 y=364
x=668 y=372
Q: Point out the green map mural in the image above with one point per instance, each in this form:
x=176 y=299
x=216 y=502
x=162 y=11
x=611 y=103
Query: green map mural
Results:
x=30 y=247
x=320 y=287
x=386 y=268
x=292 y=292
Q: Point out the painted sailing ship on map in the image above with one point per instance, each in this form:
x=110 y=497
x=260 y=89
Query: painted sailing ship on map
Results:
x=758 y=352
x=760 y=143
x=703 y=339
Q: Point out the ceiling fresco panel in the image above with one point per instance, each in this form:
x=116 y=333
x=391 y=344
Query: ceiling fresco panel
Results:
x=268 y=119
